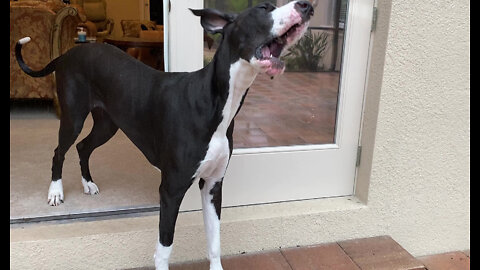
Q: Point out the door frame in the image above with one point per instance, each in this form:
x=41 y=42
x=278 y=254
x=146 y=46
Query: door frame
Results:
x=288 y=173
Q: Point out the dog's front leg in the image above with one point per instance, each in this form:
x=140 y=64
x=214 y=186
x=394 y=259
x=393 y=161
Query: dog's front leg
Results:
x=171 y=197
x=211 y=191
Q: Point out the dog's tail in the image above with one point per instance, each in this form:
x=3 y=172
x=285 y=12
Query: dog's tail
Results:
x=40 y=73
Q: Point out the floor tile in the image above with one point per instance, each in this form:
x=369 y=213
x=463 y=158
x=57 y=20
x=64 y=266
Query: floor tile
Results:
x=327 y=256
x=379 y=253
x=446 y=261
x=273 y=260
x=197 y=265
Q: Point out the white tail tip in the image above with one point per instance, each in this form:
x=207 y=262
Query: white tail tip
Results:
x=24 y=40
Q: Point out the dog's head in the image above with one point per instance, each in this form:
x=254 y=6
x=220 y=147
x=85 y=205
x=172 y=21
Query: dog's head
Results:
x=261 y=34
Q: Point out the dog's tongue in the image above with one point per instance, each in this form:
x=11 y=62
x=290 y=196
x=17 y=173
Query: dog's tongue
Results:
x=277 y=67
x=266 y=52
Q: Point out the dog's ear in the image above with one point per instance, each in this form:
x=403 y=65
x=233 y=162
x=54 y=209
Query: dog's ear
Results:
x=213 y=20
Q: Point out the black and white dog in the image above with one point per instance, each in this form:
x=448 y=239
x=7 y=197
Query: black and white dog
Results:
x=182 y=122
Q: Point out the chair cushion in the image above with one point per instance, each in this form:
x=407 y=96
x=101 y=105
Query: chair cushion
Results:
x=132 y=28
x=95 y=11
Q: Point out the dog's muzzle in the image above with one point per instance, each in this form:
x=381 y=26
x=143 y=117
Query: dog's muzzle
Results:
x=269 y=53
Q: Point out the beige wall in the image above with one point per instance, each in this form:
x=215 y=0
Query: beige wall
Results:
x=413 y=182
x=419 y=115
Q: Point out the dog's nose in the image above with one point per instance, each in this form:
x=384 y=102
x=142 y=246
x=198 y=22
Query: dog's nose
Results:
x=305 y=8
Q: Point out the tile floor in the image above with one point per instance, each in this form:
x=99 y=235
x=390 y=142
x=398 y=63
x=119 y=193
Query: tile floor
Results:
x=375 y=253
x=292 y=109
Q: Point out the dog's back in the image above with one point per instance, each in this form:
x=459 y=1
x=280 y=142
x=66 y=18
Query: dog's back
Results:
x=105 y=65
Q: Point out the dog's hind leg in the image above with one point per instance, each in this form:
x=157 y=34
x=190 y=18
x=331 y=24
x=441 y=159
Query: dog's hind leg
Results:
x=103 y=129
x=70 y=127
x=211 y=191
x=171 y=195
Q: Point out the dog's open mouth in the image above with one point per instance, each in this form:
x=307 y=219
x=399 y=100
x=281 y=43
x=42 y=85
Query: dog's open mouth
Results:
x=272 y=50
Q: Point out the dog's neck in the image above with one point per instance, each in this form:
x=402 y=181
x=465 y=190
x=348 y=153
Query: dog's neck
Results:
x=242 y=76
x=232 y=76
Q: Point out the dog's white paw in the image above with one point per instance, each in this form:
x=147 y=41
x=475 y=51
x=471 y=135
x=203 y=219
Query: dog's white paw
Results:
x=161 y=256
x=89 y=187
x=215 y=264
x=55 y=193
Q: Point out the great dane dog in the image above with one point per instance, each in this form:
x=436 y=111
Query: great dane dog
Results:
x=181 y=121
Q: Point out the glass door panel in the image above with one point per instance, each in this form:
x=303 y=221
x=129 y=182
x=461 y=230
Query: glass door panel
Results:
x=300 y=106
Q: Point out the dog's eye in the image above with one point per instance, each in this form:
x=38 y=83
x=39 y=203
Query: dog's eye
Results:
x=266 y=6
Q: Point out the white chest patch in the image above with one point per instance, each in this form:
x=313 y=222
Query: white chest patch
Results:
x=214 y=165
